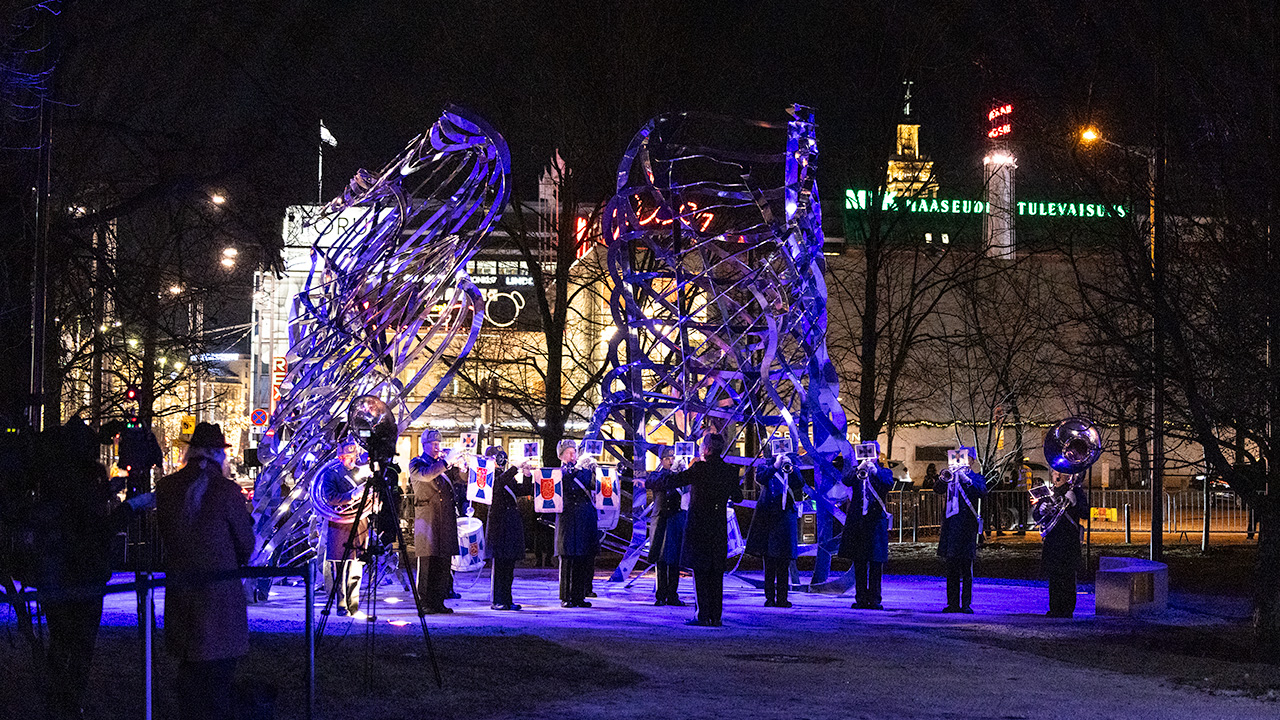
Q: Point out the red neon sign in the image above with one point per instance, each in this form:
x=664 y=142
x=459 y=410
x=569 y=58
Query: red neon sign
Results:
x=1000 y=120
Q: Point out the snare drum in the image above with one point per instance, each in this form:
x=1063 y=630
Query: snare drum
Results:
x=737 y=543
x=470 y=544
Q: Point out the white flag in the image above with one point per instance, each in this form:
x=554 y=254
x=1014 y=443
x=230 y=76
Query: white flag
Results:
x=327 y=137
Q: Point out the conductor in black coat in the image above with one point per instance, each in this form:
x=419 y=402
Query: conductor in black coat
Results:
x=1059 y=518
x=958 y=540
x=668 y=532
x=773 y=533
x=712 y=484
x=504 y=531
x=865 y=540
x=577 y=535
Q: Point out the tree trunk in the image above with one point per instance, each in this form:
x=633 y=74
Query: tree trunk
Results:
x=1144 y=450
x=1266 y=611
x=1122 y=450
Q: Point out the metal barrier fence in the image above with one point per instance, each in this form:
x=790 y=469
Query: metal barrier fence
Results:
x=918 y=514
x=144 y=586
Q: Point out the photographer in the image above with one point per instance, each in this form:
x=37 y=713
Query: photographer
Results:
x=958 y=541
x=773 y=533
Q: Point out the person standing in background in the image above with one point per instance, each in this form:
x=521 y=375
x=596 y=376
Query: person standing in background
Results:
x=504 y=531
x=958 y=539
x=773 y=533
x=577 y=536
x=712 y=484
x=435 y=523
x=670 y=517
x=207 y=534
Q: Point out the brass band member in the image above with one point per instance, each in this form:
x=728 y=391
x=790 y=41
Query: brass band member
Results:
x=866 y=530
x=958 y=541
x=504 y=531
x=435 y=522
x=773 y=533
x=712 y=484
x=1059 y=517
x=341 y=492
x=577 y=538
x=670 y=518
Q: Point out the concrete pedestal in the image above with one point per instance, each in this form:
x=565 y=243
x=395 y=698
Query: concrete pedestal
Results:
x=1128 y=586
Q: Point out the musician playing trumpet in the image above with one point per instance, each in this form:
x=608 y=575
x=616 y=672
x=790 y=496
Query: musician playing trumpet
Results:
x=958 y=541
x=1058 y=513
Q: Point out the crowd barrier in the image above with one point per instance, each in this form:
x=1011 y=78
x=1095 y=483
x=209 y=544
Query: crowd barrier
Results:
x=919 y=514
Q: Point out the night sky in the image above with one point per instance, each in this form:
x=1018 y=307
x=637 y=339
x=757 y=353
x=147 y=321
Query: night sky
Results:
x=169 y=102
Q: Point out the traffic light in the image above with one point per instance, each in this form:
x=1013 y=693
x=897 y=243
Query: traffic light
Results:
x=131 y=393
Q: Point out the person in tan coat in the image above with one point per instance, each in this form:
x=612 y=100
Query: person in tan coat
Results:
x=435 y=522
x=207 y=535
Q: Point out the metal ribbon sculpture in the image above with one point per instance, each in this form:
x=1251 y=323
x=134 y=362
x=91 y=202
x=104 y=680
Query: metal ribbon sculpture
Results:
x=387 y=307
x=718 y=294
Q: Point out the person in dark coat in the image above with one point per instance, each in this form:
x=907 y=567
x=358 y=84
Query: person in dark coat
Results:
x=79 y=515
x=577 y=537
x=340 y=492
x=958 y=540
x=712 y=484
x=1059 y=519
x=670 y=518
x=865 y=540
x=206 y=530
x=504 y=531
x=773 y=533
x=435 y=522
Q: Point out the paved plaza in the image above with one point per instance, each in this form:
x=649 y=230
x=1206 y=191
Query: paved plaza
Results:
x=819 y=659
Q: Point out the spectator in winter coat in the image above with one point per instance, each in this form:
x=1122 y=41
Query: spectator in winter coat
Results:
x=207 y=534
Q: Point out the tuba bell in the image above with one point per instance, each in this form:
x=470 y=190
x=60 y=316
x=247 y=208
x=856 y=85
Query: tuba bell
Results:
x=1072 y=445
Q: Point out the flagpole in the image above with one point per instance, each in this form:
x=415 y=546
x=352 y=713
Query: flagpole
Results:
x=320 y=167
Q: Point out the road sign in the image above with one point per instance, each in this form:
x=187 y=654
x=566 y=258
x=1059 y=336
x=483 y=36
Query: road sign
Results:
x=188 y=424
x=259 y=417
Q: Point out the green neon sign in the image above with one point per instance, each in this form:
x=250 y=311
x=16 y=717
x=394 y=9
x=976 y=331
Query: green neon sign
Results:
x=860 y=199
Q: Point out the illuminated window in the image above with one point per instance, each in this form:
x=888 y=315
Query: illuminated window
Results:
x=946 y=239
x=928 y=237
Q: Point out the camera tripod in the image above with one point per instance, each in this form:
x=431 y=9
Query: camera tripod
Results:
x=390 y=503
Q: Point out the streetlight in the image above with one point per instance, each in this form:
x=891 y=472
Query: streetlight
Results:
x=1155 y=171
x=229 y=257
